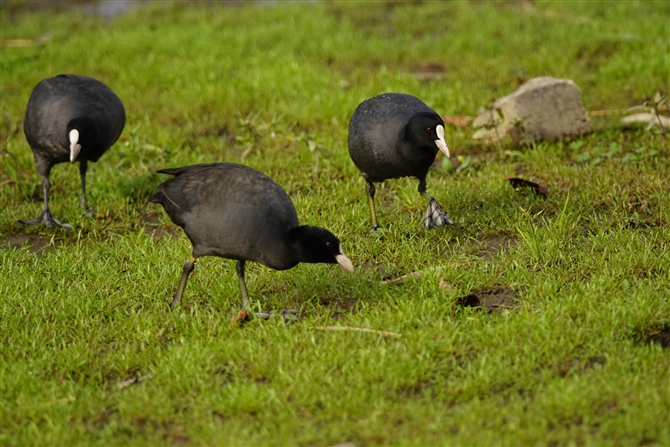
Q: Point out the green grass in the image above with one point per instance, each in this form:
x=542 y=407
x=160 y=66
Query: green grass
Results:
x=570 y=363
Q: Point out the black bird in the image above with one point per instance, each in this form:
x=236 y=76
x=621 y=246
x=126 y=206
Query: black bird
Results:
x=396 y=135
x=235 y=212
x=70 y=118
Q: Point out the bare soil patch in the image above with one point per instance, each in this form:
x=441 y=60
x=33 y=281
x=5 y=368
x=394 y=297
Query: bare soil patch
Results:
x=492 y=246
x=491 y=300
x=37 y=244
x=429 y=72
x=153 y=226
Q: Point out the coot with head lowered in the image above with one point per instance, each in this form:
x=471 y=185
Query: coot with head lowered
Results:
x=235 y=212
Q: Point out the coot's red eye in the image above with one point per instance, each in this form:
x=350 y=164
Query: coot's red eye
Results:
x=329 y=244
x=429 y=130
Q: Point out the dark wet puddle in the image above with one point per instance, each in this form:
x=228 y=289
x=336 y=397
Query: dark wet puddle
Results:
x=661 y=337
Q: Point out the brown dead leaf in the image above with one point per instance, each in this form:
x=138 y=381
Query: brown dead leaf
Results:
x=518 y=183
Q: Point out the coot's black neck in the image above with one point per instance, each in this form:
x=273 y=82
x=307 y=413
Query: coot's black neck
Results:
x=417 y=154
x=88 y=137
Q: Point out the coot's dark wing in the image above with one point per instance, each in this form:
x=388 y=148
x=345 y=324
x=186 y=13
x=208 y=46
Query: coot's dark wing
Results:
x=179 y=194
x=230 y=210
x=217 y=183
x=107 y=111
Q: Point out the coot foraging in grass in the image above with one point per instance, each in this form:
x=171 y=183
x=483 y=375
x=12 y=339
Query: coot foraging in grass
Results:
x=397 y=135
x=235 y=212
x=70 y=118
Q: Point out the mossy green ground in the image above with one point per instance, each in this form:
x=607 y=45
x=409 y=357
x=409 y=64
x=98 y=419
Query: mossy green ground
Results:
x=92 y=355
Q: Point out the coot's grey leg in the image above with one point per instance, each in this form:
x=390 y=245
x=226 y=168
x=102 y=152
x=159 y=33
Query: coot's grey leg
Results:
x=83 y=167
x=243 y=285
x=370 y=190
x=188 y=268
x=244 y=315
x=46 y=215
x=288 y=314
x=434 y=216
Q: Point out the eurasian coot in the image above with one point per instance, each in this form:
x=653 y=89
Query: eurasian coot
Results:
x=396 y=135
x=235 y=212
x=70 y=118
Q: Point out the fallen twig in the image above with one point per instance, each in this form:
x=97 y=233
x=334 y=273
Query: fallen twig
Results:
x=58 y=401
x=17 y=43
x=356 y=329
x=608 y=112
x=402 y=279
x=529 y=8
x=128 y=382
x=24 y=43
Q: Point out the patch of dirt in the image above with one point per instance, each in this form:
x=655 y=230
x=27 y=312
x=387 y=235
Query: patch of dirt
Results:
x=429 y=72
x=338 y=315
x=167 y=429
x=153 y=226
x=102 y=420
x=643 y=225
x=340 y=310
x=492 y=300
x=37 y=244
x=492 y=246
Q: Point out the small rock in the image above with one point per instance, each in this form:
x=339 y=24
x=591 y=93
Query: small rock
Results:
x=543 y=108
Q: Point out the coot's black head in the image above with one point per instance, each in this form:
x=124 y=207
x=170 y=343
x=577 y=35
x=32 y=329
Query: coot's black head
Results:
x=426 y=129
x=81 y=133
x=314 y=245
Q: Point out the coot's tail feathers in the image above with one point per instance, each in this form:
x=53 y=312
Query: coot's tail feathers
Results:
x=192 y=168
x=172 y=171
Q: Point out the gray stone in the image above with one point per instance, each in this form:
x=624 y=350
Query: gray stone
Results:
x=543 y=108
